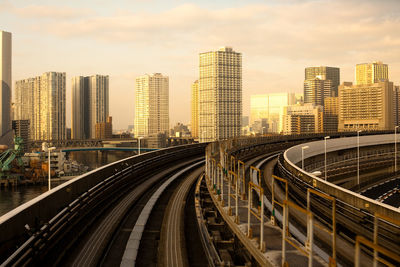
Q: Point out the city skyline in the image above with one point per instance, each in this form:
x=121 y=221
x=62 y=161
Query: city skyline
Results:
x=273 y=62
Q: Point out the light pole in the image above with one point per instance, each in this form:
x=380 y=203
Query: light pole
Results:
x=302 y=156
x=139 y=138
x=395 y=148
x=358 y=156
x=326 y=137
x=49 y=150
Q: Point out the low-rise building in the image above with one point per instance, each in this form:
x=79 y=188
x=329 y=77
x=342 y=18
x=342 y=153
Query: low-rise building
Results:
x=302 y=118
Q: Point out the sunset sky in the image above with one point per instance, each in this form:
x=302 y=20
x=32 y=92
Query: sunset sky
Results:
x=128 y=38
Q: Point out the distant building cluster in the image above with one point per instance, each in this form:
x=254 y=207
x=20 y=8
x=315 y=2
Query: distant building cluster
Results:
x=371 y=103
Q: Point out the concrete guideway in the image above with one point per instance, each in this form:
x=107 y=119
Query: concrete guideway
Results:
x=132 y=247
x=92 y=249
x=172 y=246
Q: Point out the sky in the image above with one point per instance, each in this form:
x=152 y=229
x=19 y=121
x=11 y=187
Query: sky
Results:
x=128 y=38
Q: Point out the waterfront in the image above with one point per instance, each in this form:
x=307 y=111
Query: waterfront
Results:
x=11 y=198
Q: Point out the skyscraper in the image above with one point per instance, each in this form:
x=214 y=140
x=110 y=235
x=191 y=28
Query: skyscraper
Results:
x=220 y=94
x=99 y=102
x=90 y=104
x=5 y=87
x=369 y=73
x=195 y=110
x=80 y=108
x=316 y=90
x=325 y=73
x=151 y=105
x=41 y=100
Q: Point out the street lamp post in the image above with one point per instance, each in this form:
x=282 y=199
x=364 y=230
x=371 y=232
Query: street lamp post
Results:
x=358 y=156
x=49 y=150
x=395 y=148
x=302 y=156
x=326 y=137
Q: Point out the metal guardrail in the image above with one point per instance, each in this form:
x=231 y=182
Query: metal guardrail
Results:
x=65 y=203
x=342 y=194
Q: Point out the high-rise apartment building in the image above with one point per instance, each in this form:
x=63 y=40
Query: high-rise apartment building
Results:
x=366 y=106
x=316 y=90
x=151 y=105
x=195 y=110
x=220 y=94
x=331 y=114
x=325 y=73
x=80 y=108
x=41 y=100
x=90 y=104
x=5 y=87
x=302 y=118
x=369 y=73
x=270 y=107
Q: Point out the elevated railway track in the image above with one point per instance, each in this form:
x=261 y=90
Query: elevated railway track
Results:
x=142 y=211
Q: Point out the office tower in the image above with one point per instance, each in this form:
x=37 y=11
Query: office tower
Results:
x=331 y=114
x=151 y=105
x=220 y=94
x=5 y=88
x=269 y=107
x=369 y=73
x=21 y=129
x=302 y=118
x=90 y=104
x=325 y=73
x=366 y=107
x=41 y=100
x=104 y=129
x=316 y=90
x=195 y=110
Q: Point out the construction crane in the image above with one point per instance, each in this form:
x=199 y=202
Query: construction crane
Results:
x=8 y=157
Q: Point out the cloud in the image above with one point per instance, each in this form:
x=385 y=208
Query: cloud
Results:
x=310 y=29
x=52 y=12
x=45 y=11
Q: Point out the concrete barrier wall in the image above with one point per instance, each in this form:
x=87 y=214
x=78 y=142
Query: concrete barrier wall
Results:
x=293 y=156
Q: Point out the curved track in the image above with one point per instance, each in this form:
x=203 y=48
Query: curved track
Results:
x=172 y=240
